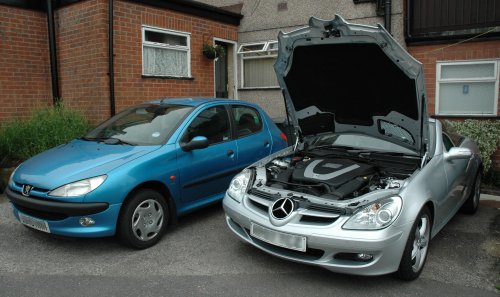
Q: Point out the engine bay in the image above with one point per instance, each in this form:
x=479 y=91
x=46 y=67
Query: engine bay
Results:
x=336 y=178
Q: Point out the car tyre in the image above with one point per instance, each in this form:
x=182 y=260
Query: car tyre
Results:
x=143 y=219
x=417 y=245
x=472 y=203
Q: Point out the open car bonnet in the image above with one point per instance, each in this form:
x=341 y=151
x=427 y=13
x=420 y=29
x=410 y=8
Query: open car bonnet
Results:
x=351 y=78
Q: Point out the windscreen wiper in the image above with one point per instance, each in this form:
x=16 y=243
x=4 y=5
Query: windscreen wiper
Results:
x=98 y=139
x=107 y=140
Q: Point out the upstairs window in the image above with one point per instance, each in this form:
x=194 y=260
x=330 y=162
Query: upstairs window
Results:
x=257 y=61
x=165 y=53
x=467 y=88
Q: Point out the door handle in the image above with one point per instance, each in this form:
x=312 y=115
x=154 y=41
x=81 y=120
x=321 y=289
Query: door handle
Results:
x=230 y=153
x=266 y=143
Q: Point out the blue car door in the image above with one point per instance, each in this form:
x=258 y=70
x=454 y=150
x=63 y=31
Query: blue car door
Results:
x=253 y=137
x=204 y=174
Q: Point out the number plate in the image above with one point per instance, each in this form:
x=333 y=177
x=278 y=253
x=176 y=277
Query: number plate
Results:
x=37 y=224
x=289 y=241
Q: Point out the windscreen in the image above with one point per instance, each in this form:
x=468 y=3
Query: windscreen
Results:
x=141 y=125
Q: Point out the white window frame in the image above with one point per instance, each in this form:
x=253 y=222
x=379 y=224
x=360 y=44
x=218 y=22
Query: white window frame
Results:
x=186 y=48
x=266 y=53
x=494 y=79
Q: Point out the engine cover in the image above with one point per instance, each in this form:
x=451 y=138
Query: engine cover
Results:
x=333 y=172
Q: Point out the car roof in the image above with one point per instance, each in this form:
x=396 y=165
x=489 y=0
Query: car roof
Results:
x=195 y=101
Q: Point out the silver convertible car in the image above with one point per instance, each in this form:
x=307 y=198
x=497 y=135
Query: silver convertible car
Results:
x=371 y=179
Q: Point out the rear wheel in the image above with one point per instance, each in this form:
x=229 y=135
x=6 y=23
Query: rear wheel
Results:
x=471 y=204
x=143 y=219
x=415 y=253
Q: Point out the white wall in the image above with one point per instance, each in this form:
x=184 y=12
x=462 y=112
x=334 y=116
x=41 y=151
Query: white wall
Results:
x=262 y=21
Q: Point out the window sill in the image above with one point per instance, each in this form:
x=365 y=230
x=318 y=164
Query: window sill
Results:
x=259 y=89
x=465 y=116
x=167 y=77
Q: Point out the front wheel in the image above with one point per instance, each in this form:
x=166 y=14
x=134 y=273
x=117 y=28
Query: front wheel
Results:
x=472 y=203
x=415 y=253
x=143 y=219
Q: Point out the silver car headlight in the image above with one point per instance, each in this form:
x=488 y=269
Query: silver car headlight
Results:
x=375 y=216
x=239 y=185
x=79 y=188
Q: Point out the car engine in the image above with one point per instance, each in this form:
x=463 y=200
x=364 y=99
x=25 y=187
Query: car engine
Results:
x=330 y=178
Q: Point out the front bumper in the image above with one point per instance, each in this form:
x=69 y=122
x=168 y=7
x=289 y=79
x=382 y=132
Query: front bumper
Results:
x=63 y=217
x=327 y=244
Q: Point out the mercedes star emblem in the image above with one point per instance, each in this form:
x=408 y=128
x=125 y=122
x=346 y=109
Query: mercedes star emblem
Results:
x=282 y=208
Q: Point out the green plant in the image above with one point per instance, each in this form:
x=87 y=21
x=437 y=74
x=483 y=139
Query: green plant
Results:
x=47 y=127
x=485 y=133
x=213 y=51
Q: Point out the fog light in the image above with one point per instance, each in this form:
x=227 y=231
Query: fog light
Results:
x=85 y=222
x=365 y=257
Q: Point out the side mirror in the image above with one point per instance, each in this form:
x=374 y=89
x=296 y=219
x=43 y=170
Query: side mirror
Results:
x=458 y=153
x=198 y=142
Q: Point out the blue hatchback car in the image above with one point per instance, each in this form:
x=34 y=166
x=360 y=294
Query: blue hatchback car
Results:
x=139 y=170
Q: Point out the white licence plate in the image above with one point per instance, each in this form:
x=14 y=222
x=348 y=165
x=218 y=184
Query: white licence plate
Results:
x=289 y=241
x=37 y=224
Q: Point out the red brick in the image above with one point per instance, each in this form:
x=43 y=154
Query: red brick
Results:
x=430 y=54
x=82 y=44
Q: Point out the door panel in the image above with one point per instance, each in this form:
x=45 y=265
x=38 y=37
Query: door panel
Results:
x=207 y=172
x=221 y=78
x=254 y=139
x=455 y=172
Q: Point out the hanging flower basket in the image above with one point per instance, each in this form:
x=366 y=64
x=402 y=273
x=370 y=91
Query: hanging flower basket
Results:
x=213 y=51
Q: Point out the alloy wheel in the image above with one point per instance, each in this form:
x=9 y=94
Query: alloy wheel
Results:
x=147 y=220
x=420 y=243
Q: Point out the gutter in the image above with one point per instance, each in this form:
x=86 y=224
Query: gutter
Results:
x=111 y=70
x=387 y=15
x=53 y=54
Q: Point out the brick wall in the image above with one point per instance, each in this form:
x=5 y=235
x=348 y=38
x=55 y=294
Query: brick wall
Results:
x=430 y=54
x=82 y=48
x=82 y=51
x=24 y=62
x=130 y=87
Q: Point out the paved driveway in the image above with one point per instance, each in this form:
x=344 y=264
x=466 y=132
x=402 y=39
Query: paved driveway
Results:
x=202 y=258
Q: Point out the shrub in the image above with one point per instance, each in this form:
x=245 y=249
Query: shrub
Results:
x=47 y=127
x=485 y=133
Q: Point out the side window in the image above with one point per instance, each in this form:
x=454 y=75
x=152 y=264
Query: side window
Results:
x=248 y=120
x=448 y=144
x=213 y=123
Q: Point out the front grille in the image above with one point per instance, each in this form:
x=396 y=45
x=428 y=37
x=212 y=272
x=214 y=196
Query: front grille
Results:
x=40 y=190
x=326 y=208
x=259 y=206
x=316 y=219
x=264 y=195
x=51 y=216
x=320 y=213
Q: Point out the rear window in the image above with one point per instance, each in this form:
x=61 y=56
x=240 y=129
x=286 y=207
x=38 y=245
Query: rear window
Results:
x=248 y=120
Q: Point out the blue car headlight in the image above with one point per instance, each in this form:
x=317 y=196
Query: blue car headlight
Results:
x=79 y=188
x=239 y=185
x=376 y=215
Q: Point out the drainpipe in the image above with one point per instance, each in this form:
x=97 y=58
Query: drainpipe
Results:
x=387 y=15
x=53 y=55
x=111 y=61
